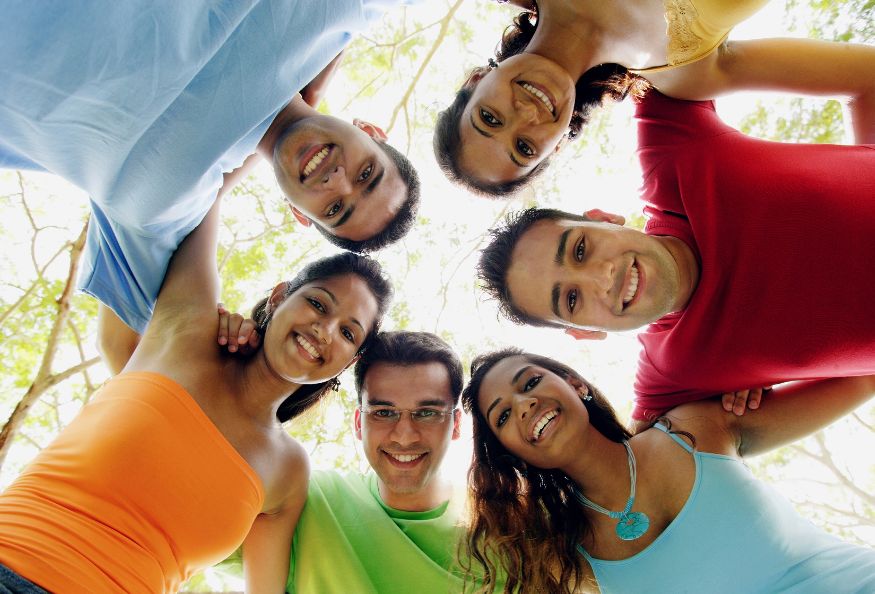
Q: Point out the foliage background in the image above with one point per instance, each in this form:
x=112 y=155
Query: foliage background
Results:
x=400 y=75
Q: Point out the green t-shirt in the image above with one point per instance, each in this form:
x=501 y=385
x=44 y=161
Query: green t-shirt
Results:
x=349 y=542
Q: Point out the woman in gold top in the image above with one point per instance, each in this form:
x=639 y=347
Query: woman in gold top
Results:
x=562 y=58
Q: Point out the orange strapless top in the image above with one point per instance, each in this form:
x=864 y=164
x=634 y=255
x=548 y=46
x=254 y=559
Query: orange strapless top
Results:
x=136 y=494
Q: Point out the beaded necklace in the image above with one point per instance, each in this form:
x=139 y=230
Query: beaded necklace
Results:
x=631 y=525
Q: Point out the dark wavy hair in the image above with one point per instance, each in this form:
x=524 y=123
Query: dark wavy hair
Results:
x=403 y=220
x=521 y=515
x=410 y=348
x=368 y=270
x=495 y=260
x=599 y=85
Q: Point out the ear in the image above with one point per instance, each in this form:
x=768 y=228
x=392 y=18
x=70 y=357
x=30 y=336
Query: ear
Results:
x=457 y=424
x=372 y=130
x=600 y=216
x=357 y=421
x=278 y=294
x=475 y=77
x=581 y=334
x=301 y=217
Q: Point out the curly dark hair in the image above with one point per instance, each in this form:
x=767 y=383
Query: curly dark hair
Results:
x=368 y=270
x=495 y=260
x=599 y=85
x=521 y=514
x=403 y=220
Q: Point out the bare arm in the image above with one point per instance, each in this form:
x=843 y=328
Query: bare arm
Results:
x=803 y=66
x=796 y=410
x=268 y=545
x=116 y=340
x=315 y=89
x=790 y=412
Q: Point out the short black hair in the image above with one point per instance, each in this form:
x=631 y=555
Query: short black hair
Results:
x=495 y=260
x=410 y=348
x=378 y=283
x=403 y=219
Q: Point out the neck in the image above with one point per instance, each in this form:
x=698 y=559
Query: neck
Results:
x=602 y=471
x=295 y=110
x=566 y=38
x=261 y=390
x=688 y=269
x=429 y=497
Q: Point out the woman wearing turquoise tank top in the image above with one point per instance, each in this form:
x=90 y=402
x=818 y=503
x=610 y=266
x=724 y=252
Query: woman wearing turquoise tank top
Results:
x=561 y=59
x=673 y=509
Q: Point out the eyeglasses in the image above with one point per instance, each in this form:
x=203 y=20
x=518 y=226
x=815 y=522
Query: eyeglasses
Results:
x=389 y=415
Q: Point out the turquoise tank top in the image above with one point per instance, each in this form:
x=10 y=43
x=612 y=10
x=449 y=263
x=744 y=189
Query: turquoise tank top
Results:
x=736 y=535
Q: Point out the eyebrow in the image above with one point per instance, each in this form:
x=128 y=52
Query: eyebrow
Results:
x=517 y=375
x=334 y=301
x=488 y=135
x=344 y=218
x=366 y=192
x=560 y=251
x=491 y=406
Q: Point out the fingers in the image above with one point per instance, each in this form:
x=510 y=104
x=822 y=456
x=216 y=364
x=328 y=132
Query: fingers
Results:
x=738 y=402
x=248 y=339
x=223 y=324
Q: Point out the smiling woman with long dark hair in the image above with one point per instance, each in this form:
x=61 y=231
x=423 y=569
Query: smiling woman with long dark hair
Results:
x=565 y=500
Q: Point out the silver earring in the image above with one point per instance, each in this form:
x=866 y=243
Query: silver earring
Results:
x=492 y=63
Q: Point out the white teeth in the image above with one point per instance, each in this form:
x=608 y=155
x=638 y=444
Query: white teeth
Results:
x=540 y=95
x=314 y=162
x=308 y=346
x=542 y=424
x=406 y=457
x=633 y=286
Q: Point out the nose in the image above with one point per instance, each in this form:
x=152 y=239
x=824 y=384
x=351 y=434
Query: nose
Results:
x=405 y=431
x=527 y=111
x=524 y=406
x=336 y=180
x=324 y=330
x=602 y=274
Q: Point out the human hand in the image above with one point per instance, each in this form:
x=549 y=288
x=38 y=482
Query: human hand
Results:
x=738 y=402
x=243 y=337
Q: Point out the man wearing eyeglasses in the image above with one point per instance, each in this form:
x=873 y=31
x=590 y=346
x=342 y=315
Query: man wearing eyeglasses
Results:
x=393 y=531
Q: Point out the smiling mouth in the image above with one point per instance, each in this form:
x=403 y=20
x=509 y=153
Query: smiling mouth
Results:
x=308 y=347
x=540 y=95
x=405 y=459
x=542 y=424
x=312 y=164
x=632 y=289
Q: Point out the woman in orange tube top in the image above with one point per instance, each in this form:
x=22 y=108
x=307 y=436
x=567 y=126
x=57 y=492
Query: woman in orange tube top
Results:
x=561 y=59
x=181 y=457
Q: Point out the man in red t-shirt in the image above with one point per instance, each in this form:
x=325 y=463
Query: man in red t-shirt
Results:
x=754 y=267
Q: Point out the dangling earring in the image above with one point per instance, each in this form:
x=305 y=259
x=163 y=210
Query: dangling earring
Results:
x=584 y=394
x=492 y=63
x=334 y=384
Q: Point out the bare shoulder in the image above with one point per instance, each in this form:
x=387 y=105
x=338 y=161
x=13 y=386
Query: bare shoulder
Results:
x=707 y=422
x=293 y=471
x=698 y=81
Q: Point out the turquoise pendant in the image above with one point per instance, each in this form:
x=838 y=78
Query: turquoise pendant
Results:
x=632 y=525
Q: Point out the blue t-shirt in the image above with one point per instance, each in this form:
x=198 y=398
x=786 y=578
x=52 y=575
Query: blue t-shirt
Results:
x=145 y=104
x=736 y=534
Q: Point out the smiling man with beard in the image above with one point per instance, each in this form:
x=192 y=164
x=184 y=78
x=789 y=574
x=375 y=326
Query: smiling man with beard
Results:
x=394 y=530
x=154 y=107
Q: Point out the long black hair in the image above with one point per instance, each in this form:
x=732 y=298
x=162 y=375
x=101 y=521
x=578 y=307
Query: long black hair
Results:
x=521 y=515
x=368 y=270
